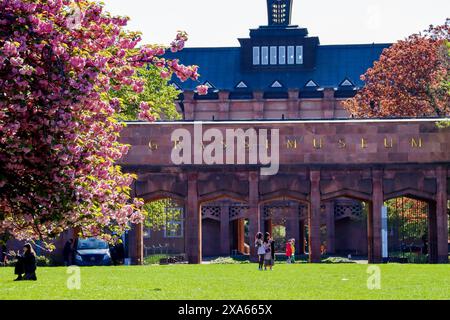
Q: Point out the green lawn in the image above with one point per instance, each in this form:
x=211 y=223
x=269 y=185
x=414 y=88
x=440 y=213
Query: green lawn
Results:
x=204 y=282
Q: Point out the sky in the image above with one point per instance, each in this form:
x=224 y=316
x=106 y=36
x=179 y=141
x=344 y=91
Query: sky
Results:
x=219 y=23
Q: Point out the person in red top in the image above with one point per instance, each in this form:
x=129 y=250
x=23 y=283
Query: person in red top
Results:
x=288 y=251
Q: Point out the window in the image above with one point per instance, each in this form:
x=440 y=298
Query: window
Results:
x=299 y=56
x=174 y=223
x=277 y=55
x=256 y=57
x=278 y=13
x=291 y=55
x=265 y=55
x=273 y=55
x=282 y=55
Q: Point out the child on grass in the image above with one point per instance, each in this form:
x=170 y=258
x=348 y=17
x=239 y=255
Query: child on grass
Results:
x=292 y=250
x=288 y=251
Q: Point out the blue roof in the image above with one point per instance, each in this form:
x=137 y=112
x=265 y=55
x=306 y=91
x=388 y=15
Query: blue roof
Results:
x=334 y=63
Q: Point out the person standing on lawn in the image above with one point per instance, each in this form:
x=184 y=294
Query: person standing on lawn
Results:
x=272 y=250
x=288 y=251
x=261 y=250
x=26 y=264
x=68 y=252
x=292 y=250
x=120 y=252
x=269 y=252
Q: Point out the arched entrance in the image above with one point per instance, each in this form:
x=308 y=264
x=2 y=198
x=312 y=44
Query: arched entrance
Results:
x=350 y=228
x=409 y=239
x=163 y=230
x=286 y=219
x=224 y=228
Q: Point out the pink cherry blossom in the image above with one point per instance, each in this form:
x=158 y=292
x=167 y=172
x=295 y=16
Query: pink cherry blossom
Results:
x=202 y=90
x=58 y=134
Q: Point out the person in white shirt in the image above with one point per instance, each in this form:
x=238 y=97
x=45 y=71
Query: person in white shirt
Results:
x=261 y=250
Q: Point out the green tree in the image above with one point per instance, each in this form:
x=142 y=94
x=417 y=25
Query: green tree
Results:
x=446 y=85
x=159 y=213
x=156 y=91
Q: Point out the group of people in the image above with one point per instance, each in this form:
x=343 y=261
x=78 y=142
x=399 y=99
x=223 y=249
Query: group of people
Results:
x=265 y=246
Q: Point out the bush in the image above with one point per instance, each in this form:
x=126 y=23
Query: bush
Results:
x=154 y=259
x=41 y=261
x=337 y=260
x=229 y=260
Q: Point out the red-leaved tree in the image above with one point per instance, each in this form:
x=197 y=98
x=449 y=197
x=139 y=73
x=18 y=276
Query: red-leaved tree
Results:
x=58 y=133
x=408 y=80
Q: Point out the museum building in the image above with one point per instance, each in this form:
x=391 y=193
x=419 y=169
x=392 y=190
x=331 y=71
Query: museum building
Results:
x=372 y=189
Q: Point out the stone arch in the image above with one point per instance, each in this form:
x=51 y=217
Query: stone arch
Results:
x=347 y=193
x=343 y=214
x=162 y=194
x=220 y=236
x=221 y=195
x=411 y=193
x=284 y=195
x=427 y=218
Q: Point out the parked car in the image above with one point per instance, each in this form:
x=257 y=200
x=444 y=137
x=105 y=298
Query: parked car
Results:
x=92 y=252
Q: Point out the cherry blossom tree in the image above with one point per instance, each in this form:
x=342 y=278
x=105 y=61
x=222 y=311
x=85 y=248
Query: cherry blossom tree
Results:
x=59 y=131
x=408 y=80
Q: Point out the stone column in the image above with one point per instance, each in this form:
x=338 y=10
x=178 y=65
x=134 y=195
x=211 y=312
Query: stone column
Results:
x=329 y=208
x=240 y=235
x=314 y=218
x=432 y=233
x=296 y=229
x=441 y=215
x=193 y=233
x=374 y=223
x=225 y=230
x=300 y=244
x=136 y=244
x=254 y=213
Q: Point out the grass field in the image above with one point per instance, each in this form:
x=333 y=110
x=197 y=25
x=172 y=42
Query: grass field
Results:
x=227 y=282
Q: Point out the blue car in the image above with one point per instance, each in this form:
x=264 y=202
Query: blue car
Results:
x=92 y=252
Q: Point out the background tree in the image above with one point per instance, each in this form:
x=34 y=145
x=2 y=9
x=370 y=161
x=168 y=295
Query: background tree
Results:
x=59 y=131
x=156 y=89
x=408 y=79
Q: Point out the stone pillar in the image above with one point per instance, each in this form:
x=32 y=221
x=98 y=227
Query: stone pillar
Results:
x=432 y=233
x=254 y=214
x=193 y=236
x=314 y=218
x=329 y=208
x=240 y=235
x=300 y=244
x=374 y=223
x=225 y=230
x=136 y=244
x=441 y=215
